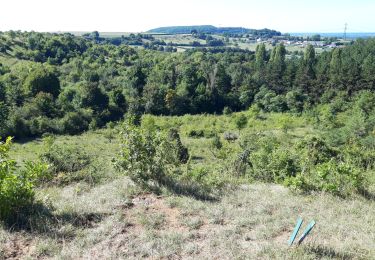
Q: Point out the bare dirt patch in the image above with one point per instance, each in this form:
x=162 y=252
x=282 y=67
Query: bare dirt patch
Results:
x=152 y=204
x=17 y=247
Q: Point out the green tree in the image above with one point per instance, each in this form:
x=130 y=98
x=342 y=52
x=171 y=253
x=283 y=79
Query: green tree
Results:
x=260 y=62
x=42 y=79
x=306 y=72
x=276 y=68
x=336 y=69
x=261 y=55
x=91 y=96
x=45 y=104
x=368 y=72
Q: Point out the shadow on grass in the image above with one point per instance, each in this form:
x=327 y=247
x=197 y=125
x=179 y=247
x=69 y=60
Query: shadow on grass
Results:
x=197 y=158
x=323 y=252
x=24 y=140
x=39 y=219
x=367 y=194
x=194 y=190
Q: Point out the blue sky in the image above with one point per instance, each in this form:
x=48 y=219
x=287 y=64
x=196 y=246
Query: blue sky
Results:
x=141 y=15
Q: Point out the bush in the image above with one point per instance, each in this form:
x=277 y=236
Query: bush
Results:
x=272 y=162
x=269 y=101
x=323 y=168
x=241 y=121
x=17 y=185
x=315 y=150
x=147 y=156
x=75 y=122
x=216 y=142
x=295 y=101
x=241 y=163
x=182 y=151
x=205 y=179
x=40 y=125
x=62 y=158
x=227 y=111
x=339 y=178
x=42 y=79
x=365 y=101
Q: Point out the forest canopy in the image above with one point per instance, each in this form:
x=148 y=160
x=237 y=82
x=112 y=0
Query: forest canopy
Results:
x=60 y=83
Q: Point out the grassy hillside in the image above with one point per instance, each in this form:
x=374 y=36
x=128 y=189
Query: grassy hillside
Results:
x=98 y=170
x=97 y=212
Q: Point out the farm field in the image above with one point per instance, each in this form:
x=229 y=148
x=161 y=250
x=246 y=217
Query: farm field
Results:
x=181 y=40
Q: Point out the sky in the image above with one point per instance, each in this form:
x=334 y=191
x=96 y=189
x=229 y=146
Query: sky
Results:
x=287 y=16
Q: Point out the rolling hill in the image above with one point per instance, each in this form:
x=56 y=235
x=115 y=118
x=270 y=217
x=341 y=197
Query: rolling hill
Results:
x=214 y=30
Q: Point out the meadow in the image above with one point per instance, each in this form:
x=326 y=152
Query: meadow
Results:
x=97 y=212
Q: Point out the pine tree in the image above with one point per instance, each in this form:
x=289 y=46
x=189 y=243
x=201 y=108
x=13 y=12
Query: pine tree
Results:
x=260 y=62
x=276 y=68
x=336 y=69
x=368 y=72
x=306 y=73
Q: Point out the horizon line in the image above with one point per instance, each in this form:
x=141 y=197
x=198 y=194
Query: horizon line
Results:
x=84 y=31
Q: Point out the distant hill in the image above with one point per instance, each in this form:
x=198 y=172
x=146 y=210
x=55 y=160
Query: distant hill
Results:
x=214 y=30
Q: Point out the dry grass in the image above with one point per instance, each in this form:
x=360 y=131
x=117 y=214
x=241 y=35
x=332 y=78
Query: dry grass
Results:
x=114 y=221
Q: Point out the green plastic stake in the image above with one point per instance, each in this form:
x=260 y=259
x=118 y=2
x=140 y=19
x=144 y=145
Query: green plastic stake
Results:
x=295 y=231
x=306 y=232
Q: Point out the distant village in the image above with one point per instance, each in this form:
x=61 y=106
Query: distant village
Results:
x=304 y=43
x=316 y=40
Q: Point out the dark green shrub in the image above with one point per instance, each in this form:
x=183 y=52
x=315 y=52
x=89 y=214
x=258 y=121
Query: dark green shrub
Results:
x=216 y=142
x=241 y=121
x=295 y=101
x=182 y=151
x=204 y=178
x=254 y=157
x=269 y=101
x=276 y=104
x=265 y=158
x=75 y=122
x=242 y=163
x=42 y=79
x=40 y=125
x=283 y=164
x=361 y=154
x=90 y=95
x=209 y=133
x=365 y=101
x=17 y=125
